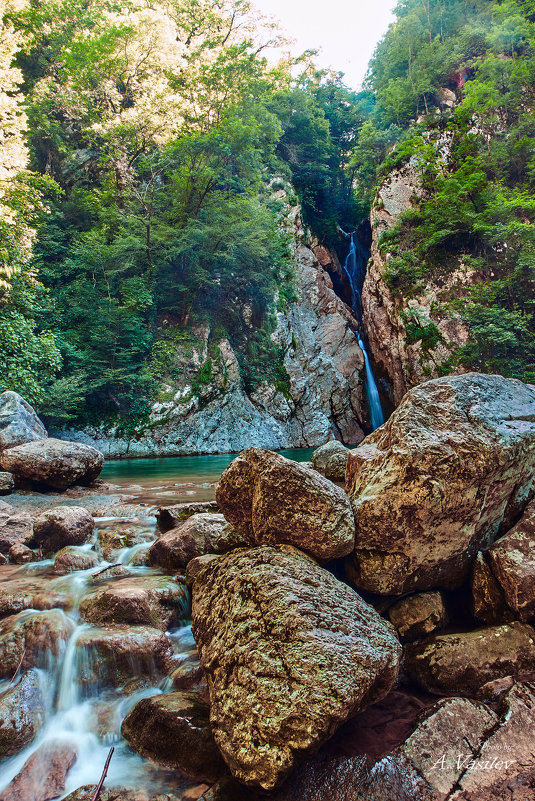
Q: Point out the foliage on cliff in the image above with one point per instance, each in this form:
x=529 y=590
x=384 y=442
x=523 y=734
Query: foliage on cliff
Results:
x=453 y=87
x=165 y=130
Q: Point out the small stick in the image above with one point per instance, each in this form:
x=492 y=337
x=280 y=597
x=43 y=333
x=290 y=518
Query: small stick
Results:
x=96 y=794
x=18 y=667
x=117 y=564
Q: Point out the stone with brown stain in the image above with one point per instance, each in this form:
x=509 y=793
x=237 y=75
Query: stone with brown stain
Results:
x=157 y=601
x=62 y=526
x=290 y=653
x=20 y=554
x=118 y=653
x=174 y=731
x=418 y=615
x=463 y=663
x=200 y=534
x=512 y=563
x=71 y=558
x=451 y=469
x=30 y=639
x=15 y=527
x=43 y=775
x=272 y=500
x=53 y=463
x=168 y=517
x=22 y=713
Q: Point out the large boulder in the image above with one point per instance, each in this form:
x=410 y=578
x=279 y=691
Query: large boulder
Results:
x=331 y=459
x=460 y=750
x=432 y=760
x=43 y=775
x=321 y=455
x=53 y=463
x=452 y=468
x=200 y=534
x=453 y=663
x=272 y=500
x=290 y=653
x=503 y=579
x=19 y=423
x=174 y=731
x=62 y=526
x=149 y=601
x=22 y=713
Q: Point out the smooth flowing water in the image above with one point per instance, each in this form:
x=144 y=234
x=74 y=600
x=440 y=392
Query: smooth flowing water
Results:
x=83 y=711
x=81 y=707
x=355 y=269
x=176 y=479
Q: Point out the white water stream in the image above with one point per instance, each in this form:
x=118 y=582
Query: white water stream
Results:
x=87 y=714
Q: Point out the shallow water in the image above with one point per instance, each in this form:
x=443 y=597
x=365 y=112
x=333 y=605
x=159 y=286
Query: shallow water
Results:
x=180 y=479
x=88 y=714
x=194 y=469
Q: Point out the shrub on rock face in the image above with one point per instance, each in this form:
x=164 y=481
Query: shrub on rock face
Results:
x=62 y=526
x=272 y=500
x=290 y=654
x=200 y=534
x=454 y=663
x=18 y=422
x=174 y=731
x=453 y=467
x=53 y=463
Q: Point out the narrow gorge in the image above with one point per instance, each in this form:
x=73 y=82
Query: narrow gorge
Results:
x=267 y=404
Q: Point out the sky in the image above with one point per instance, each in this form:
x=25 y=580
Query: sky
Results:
x=345 y=31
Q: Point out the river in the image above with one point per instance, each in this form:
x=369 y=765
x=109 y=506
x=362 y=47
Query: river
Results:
x=81 y=704
x=177 y=479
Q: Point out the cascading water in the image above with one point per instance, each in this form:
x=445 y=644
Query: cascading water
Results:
x=83 y=710
x=355 y=270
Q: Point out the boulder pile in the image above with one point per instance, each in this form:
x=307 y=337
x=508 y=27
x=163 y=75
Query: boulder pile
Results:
x=437 y=507
x=29 y=456
x=368 y=644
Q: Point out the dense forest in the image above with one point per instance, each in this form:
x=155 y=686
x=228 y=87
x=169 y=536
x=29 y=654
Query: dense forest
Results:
x=157 y=135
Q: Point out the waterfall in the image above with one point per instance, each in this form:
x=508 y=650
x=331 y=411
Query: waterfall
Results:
x=355 y=270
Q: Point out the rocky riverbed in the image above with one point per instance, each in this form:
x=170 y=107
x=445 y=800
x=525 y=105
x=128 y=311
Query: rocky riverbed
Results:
x=300 y=636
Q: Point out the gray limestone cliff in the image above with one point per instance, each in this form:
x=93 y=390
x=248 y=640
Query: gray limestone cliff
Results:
x=322 y=396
